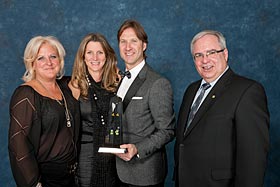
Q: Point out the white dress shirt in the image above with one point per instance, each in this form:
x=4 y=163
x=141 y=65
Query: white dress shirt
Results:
x=126 y=82
x=208 y=90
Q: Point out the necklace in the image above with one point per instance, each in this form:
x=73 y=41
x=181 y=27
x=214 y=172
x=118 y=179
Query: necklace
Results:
x=94 y=100
x=52 y=96
x=67 y=113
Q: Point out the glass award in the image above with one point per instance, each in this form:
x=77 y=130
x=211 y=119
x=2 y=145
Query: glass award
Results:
x=113 y=136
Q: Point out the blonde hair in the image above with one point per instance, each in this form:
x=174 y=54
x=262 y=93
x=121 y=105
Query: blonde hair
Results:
x=31 y=51
x=109 y=80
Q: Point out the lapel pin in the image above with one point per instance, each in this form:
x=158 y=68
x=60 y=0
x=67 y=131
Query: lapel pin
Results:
x=213 y=96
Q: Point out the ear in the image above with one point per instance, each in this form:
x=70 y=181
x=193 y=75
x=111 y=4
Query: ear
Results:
x=226 y=54
x=144 y=46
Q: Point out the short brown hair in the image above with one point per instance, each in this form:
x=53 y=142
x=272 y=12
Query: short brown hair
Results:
x=138 y=29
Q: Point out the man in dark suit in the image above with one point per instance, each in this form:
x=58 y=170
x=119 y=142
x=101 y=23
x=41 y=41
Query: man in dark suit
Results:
x=148 y=117
x=223 y=140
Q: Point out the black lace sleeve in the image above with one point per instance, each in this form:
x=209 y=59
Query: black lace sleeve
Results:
x=24 y=136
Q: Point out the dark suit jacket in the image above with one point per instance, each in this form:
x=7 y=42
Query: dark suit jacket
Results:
x=148 y=122
x=227 y=142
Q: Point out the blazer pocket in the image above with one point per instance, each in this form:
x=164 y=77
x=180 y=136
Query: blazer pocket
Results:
x=221 y=174
x=137 y=98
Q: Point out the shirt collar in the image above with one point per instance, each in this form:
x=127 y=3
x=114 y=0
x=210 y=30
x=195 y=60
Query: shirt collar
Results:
x=216 y=80
x=135 y=71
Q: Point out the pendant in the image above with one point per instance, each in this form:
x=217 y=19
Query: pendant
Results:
x=68 y=123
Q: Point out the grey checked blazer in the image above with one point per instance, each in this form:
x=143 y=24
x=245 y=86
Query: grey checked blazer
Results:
x=148 y=122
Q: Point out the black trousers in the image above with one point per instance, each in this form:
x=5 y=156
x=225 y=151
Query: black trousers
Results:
x=130 y=185
x=58 y=174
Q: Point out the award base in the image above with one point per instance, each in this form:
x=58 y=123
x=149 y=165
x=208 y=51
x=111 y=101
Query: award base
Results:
x=111 y=150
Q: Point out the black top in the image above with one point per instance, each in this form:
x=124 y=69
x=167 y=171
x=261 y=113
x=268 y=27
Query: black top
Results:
x=95 y=169
x=38 y=133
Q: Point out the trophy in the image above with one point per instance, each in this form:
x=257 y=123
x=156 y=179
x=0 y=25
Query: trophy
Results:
x=113 y=137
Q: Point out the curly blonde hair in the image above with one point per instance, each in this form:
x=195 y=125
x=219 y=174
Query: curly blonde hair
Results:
x=31 y=51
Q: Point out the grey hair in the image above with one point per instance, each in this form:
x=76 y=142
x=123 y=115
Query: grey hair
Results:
x=221 y=38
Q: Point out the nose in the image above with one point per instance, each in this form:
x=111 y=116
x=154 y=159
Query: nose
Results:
x=49 y=61
x=205 y=58
x=128 y=46
x=94 y=56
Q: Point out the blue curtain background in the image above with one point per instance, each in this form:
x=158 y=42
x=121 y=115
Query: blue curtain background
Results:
x=251 y=27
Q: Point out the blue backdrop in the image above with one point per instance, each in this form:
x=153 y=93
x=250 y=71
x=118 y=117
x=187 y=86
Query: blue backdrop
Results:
x=251 y=27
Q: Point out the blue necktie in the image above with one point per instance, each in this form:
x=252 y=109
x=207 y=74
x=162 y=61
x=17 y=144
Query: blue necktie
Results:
x=196 y=104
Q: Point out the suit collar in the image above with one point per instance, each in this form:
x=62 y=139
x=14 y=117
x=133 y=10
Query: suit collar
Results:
x=143 y=73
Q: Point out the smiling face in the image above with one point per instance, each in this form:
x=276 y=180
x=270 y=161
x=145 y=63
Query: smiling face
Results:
x=47 y=63
x=94 y=57
x=131 y=48
x=212 y=66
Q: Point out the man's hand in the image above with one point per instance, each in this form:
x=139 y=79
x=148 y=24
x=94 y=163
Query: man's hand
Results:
x=131 y=152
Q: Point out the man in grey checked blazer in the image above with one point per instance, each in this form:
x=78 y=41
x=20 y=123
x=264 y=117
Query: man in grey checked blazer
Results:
x=148 y=118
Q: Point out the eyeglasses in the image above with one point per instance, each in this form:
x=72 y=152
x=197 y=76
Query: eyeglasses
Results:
x=209 y=54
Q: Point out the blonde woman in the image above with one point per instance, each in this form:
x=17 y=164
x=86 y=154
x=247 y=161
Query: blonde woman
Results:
x=44 y=119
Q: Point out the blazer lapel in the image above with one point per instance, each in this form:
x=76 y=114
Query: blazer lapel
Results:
x=137 y=83
x=207 y=103
x=211 y=98
x=186 y=106
x=132 y=91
